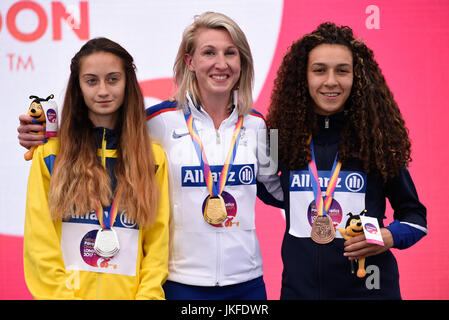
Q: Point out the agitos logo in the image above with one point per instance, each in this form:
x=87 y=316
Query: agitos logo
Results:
x=59 y=13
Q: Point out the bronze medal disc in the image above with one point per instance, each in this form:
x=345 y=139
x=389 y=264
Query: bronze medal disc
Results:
x=215 y=210
x=323 y=230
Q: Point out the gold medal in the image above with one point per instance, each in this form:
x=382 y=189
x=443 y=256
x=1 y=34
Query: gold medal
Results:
x=215 y=210
x=323 y=230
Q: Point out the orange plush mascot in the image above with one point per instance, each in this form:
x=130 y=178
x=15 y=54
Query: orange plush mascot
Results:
x=354 y=228
x=37 y=112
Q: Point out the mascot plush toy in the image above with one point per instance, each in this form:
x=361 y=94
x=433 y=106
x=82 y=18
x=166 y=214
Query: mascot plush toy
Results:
x=37 y=112
x=354 y=228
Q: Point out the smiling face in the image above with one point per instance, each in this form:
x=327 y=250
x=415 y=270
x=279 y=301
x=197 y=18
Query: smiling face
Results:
x=36 y=111
x=215 y=61
x=354 y=226
x=330 y=76
x=102 y=80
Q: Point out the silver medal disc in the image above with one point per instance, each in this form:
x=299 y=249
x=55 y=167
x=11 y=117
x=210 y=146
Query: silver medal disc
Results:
x=106 y=243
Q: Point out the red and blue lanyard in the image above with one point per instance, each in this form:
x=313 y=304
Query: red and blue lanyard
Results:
x=323 y=205
x=215 y=188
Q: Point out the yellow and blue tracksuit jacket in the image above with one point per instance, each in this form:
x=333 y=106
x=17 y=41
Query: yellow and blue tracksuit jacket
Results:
x=59 y=262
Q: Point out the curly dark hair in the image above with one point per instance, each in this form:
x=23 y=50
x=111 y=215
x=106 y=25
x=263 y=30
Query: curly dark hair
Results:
x=374 y=132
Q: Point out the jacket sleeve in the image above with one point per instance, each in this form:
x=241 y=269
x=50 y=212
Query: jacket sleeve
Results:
x=410 y=221
x=45 y=273
x=154 y=266
x=269 y=188
x=156 y=122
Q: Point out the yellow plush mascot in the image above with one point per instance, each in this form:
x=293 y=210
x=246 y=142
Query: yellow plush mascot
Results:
x=37 y=112
x=354 y=228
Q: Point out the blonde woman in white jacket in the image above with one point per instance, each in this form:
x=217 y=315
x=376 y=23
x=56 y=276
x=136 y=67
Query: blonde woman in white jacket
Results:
x=211 y=123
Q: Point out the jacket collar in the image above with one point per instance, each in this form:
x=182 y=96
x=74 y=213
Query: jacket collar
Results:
x=108 y=135
x=201 y=114
x=329 y=128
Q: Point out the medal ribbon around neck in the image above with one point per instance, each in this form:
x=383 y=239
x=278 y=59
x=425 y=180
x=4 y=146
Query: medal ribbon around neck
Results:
x=108 y=222
x=215 y=189
x=322 y=206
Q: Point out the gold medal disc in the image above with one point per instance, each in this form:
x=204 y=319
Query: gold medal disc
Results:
x=323 y=230
x=215 y=210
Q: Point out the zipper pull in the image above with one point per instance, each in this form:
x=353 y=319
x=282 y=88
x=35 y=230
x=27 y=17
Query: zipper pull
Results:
x=217 y=136
x=326 y=123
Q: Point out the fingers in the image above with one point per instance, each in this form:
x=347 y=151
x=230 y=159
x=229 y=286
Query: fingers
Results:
x=370 y=250
x=354 y=240
x=28 y=140
x=25 y=118
x=27 y=128
x=28 y=124
x=357 y=248
x=354 y=247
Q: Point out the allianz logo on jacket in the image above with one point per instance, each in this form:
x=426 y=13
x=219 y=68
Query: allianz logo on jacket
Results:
x=240 y=174
x=348 y=181
x=122 y=221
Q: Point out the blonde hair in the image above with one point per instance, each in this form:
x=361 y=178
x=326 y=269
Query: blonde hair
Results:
x=186 y=80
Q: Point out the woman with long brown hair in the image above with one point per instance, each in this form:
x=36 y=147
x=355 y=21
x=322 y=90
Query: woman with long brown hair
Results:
x=343 y=149
x=96 y=224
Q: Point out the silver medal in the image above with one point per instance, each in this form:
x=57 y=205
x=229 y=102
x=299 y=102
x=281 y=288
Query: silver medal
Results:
x=106 y=243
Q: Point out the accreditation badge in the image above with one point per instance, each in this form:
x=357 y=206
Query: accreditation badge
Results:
x=78 y=238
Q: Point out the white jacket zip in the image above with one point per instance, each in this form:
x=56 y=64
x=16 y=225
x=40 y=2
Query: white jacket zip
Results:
x=217 y=135
x=218 y=269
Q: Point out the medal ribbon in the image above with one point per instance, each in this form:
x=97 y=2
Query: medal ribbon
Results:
x=215 y=189
x=322 y=206
x=108 y=222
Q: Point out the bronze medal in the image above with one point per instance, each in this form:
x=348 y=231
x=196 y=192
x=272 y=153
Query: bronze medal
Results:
x=215 y=210
x=323 y=230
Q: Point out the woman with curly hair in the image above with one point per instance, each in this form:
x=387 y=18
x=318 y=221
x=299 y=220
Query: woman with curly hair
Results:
x=343 y=149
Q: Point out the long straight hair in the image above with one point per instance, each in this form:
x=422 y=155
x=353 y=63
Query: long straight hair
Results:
x=79 y=183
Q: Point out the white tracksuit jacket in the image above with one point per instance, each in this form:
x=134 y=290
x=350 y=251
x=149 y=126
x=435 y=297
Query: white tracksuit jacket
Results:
x=202 y=254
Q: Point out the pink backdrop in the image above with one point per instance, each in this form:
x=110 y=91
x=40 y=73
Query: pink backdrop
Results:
x=411 y=44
